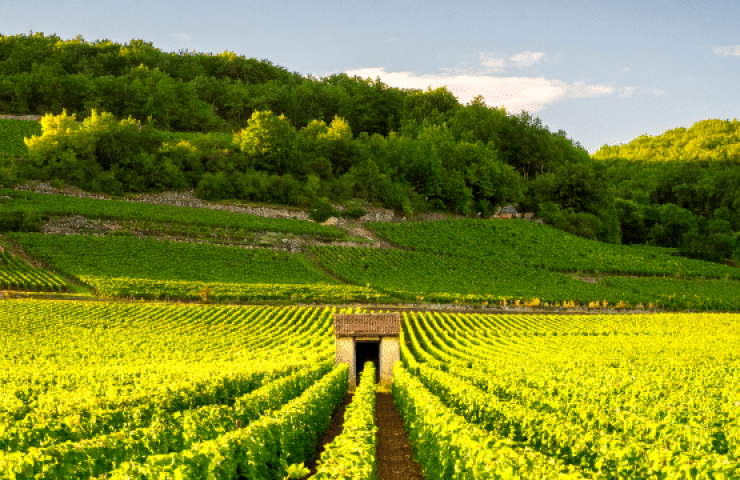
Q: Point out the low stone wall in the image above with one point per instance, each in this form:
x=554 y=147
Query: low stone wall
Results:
x=30 y=118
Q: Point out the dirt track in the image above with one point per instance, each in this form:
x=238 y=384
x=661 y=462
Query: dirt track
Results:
x=394 y=456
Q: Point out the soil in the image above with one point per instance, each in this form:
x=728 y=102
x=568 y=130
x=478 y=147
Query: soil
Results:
x=394 y=456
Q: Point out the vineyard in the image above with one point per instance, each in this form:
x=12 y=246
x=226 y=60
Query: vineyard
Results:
x=18 y=275
x=144 y=391
x=170 y=288
x=145 y=268
x=446 y=278
x=547 y=248
x=90 y=389
x=618 y=397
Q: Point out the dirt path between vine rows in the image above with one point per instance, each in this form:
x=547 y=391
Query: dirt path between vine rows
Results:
x=394 y=456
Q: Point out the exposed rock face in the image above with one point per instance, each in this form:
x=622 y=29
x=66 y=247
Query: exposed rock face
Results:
x=74 y=225
x=330 y=221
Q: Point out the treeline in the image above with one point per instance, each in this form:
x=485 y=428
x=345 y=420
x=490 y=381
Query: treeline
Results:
x=233 y=127
x=680 y=189
x=269 y=161
x=296 y=138
x=693 y=206
x=706 y=141
x=180 y=91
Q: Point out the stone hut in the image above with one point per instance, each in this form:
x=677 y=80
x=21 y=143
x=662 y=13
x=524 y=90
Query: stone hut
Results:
x=367 y=337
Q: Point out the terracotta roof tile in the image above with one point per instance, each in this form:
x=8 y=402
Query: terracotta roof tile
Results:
x=367 y=324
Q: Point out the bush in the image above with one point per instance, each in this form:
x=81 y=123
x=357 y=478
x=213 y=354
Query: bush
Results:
x=23 y=220
x=713 y=246
x=321 y=210
x=102 y=154
x=354 y=210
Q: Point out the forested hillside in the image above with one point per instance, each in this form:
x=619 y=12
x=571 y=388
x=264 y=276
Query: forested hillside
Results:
x=705 y=141
x=269 y=134
x=680 y=189
x=131 y=118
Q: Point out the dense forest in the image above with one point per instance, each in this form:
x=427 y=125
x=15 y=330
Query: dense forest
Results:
x=131 y=118
x=680 y=189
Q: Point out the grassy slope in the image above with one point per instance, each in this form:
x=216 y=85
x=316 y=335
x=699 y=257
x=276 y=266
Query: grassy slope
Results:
x=130 y=266
x=155 y=260
x=466 y=260
x=447 y=278
x=542 y=246
x=462 y=260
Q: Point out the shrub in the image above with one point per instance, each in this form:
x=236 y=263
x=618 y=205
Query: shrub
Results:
x=321 y=210
x=22 y=220
x=354 y=210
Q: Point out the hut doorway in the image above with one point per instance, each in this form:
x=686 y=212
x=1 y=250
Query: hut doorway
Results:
x=367 y=351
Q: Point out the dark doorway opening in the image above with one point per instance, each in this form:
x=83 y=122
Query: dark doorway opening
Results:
x=367 y=352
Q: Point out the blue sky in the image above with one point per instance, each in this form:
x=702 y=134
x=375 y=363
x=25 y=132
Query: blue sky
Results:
x=605 y=72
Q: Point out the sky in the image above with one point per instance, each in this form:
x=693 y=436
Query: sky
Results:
x=606 y=72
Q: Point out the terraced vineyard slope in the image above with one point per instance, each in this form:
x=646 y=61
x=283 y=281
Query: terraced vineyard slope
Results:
x=514 y=261
x=145 y=268
x=542 y=246
x=18 y=275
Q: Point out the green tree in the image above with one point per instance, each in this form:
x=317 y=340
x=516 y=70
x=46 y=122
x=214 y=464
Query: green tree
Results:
x=269 y=140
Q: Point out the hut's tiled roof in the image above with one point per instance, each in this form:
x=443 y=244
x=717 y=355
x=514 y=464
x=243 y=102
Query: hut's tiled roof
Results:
x=367 y=324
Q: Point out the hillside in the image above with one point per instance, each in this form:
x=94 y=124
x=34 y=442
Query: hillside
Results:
x=125 y=119
x=237 y=128
x=705 y=141
x=680 y=189
x=125 y=249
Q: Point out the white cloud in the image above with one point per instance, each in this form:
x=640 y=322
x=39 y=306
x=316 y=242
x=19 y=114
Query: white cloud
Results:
x=580 y=89
x=730 y=51
x=515 y=93
x=493 y=63
x=627 y=92
x=527 y=59
x=183 y=37
x=626 y=69
x=496 y=64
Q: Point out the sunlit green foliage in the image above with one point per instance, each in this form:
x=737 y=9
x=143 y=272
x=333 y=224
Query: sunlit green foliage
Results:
x=447 y=278
x=629 y=397
x=351 y=455
x=85 y=396
x=337 y=137
x=706 y=141
x=18 y=275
